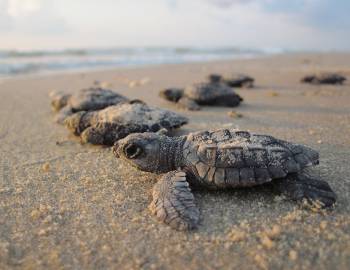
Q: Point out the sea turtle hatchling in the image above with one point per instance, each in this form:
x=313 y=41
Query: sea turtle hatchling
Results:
x=115 y=122
x=324 y=78
x=235 y=80
x=212 y=93
x=87 y=99
x=220 y=159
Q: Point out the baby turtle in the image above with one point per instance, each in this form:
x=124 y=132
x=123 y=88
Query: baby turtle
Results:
x=88 y=99
x=212 y=93
x=220 y=159
x=325 y=78
x=235 y=80
x=115 y=122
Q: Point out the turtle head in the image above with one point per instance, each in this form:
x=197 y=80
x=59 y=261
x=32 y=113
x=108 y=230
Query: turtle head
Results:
x=73 y=122
x=143 y=151
x=172 y=94
x=58 y=100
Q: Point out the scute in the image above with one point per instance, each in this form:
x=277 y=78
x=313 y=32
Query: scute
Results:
x=230 y=156
x=255 y=157
x=207 y=153
x=220 y=177
x=277 y=156
x=191 y=155
x=247 y=177
x=202 y=169
x=210 y=175
x=262 y=175
x=232 y=177
x=221 y=136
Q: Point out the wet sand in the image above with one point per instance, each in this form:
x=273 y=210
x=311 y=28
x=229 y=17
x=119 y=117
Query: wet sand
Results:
x=64 y=205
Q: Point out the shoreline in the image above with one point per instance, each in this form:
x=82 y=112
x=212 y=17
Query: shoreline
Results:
x=126 y=67
x=150 y=65
x=75 y=206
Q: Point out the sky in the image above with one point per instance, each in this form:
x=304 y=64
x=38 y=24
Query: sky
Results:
x=268 y=24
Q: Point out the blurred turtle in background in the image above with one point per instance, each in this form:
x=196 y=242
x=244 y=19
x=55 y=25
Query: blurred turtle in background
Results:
x=213 y=93
x=235 y=80
x=87 y=99
x=324 y=78
x=115 y=122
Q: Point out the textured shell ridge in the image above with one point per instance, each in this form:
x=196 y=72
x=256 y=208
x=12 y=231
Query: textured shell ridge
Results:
x=224 y=156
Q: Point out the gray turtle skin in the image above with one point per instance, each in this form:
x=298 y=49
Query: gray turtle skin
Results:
x=88 y=99
x=325 y=78
x=235 y=80
x=212 y=93
x=115 y=122
x=219 y=159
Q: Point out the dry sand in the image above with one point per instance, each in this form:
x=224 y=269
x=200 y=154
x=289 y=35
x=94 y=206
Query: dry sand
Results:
x=70 y=206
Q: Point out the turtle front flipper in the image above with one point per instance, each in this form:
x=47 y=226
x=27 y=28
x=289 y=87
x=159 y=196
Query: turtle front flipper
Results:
x=173 y=202
x=301 y=187
x=172 y=94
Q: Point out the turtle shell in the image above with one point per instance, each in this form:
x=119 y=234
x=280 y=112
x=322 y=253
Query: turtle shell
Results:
x=116 y=122
x=205 y=93
x=239 y=80
x=140 y=114
x=233 y=158
x=94 y=98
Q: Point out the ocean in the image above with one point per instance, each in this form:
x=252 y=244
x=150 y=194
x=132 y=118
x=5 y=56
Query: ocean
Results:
x=15 y=62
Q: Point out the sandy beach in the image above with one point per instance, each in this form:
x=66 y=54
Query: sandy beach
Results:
x=64 y=205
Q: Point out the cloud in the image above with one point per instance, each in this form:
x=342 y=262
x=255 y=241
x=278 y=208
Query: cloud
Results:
x=30 y=17
x=5 y=19
x=17 y=8
x=318 y=13
x=251 y=23
x=327 y=14
x=227 y=3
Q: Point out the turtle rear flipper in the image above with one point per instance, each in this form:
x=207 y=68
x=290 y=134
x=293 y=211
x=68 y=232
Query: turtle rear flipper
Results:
x=301 y=187
x=173 y=202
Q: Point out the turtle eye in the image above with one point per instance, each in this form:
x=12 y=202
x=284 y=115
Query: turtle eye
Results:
x=132 y=151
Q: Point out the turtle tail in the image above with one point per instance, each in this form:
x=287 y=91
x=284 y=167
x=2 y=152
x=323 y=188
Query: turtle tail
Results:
x=301 y=186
